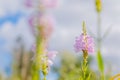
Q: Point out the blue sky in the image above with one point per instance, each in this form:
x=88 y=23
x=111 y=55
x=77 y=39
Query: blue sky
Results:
x=13 y=18
x=5 y=55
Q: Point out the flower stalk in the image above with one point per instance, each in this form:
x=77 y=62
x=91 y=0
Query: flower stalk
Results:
x=85 y=57
x=42 y=30
x=85 y=52
x=99 y=38
x=84 y=43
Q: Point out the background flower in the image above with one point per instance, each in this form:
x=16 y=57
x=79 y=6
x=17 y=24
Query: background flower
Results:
x=47 y=23
x=52 y=54
x=29 y=3
x=50 y=3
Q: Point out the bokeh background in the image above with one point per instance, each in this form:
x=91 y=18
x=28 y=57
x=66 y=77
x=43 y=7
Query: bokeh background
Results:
x=15 y=31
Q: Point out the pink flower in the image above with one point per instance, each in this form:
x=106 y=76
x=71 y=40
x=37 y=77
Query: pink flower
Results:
x=49 y=3
x=31 y=24
x=44 y=3
x=48 y=23
x=50 y=63
x=51 y=55
x=84 y=42
x=33 y=48
x=48 y=58
x=28 y=3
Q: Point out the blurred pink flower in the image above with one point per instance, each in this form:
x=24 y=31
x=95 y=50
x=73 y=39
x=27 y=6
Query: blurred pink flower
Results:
x=31 y=24
x=45 y=3
x=47 y=23
x=50 y=63
x=51 y=54
x=84 y=42
x=48 y=58
x=49 y=3
x=33 y=48
x=28 y=3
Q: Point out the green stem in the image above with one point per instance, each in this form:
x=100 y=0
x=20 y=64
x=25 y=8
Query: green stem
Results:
x=99 y=32
x=44 y=77
x=103 y=78
x=36 y=66
x=85 y=57
x=45 y=71
x=35 y=72
x=99 y=38
x=84 y=73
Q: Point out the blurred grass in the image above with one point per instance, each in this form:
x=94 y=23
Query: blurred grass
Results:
x=70 y=68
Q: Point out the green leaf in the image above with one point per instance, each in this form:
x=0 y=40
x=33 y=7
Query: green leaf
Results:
x=100 y=61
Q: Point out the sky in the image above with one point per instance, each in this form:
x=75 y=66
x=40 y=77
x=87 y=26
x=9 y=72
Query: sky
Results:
x=69 y=16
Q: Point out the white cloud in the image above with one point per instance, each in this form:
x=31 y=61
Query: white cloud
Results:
x=10 y=7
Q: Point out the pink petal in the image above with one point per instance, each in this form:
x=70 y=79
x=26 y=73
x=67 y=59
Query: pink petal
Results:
x=52 y=54
x=50 y=3
x=50 y=63
x=28 y=3
x=48 y=23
